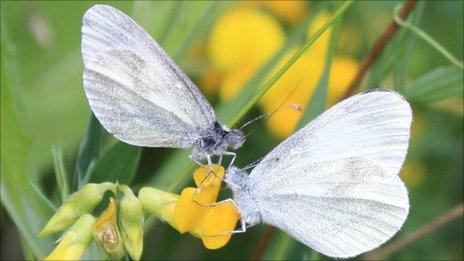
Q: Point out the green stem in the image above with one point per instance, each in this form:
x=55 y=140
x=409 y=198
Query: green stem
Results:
x=427 y=39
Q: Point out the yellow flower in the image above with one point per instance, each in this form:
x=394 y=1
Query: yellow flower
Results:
x=244 y=36
x=342 y=72
x=159 y=203
x=193 y=203
x=194 y=211
x=291 y=12
x=413 y=173
x=74 y=242
x=106 y=232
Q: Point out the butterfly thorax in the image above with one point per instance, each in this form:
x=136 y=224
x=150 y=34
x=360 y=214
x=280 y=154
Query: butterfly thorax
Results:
x=218 y=141
x=238 y=182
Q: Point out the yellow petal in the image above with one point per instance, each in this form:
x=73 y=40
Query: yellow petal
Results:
x=208 y=176
x=217 y=224
x=244 y=36
x=188 y=212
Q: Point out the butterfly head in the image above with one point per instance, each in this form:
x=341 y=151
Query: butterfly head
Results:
x=235 y=138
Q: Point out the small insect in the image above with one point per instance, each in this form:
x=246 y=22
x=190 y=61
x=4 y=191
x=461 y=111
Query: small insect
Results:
x=141 y=96
x=335 y=185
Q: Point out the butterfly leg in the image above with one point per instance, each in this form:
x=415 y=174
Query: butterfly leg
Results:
x=233 y=154
x=191 y=157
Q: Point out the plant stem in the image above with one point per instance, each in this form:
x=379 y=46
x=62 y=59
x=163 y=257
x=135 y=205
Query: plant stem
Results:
x=378 y=47
x=427 y=39
x=416 y=235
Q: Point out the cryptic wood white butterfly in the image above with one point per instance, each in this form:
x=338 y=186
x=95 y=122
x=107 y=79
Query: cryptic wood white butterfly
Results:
x=334 y=184
x=140 y=95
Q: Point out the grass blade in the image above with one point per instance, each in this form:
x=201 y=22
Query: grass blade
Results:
x=43 y=197
x=317 y=102
x=248 y=104
x=428 y=39
x=60 y=174
x=89 y=150
x=435 y=85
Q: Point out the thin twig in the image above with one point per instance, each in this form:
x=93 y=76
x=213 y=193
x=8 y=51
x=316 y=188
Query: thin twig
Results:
x=263 y=242
x=418 y=234
x=378 y=47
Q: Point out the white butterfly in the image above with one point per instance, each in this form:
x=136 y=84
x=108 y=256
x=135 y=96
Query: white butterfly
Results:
x=140 y=95
x=334 y=184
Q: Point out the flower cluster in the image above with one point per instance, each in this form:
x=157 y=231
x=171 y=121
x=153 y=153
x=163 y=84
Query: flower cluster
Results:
x=119 y=228
x=195 y=210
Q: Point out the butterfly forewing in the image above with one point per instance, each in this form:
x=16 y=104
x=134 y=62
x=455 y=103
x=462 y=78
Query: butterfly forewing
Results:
x=134 y=88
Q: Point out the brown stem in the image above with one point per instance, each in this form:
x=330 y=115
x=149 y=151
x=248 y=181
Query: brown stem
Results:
x=416 y=235
x=378 y=47
x=263 y=242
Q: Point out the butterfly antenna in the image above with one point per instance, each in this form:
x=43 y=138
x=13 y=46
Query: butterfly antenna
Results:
x=267 y=116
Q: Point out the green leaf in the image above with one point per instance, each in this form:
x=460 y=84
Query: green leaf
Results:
x=119 y=164
x=435 y=85
x=278 y=247
x=406 y=49
x=89 y=150
x=19 y=200
x=43 y=197
x=60 y=174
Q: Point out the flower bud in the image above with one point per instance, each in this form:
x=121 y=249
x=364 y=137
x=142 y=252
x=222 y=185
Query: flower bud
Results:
x=131 y=222
x=106 y=232
x=74 y=242
x=80 y=202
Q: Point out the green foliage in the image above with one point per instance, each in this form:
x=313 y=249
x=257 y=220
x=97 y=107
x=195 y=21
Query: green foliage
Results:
x=118 y=164
x=435 y=85
x=42 y=103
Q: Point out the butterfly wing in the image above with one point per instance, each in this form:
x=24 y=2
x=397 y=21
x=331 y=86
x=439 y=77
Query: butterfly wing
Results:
x=135 y=90
x=373 y=125
x=337 y=176
x=339 y=208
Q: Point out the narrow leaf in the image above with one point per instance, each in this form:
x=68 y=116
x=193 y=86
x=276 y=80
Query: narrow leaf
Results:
x=317 y=101
x=60 y=174
x=435 y=85
x=89 y=150
x=117 y=164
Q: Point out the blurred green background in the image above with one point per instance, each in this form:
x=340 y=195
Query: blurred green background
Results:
x=44 y=107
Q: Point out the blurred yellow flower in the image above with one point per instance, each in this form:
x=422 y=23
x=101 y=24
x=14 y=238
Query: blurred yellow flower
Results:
x=75 y=240
x=244 y=36
x=243 y=62
x=413 y=173
x=290 y=12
